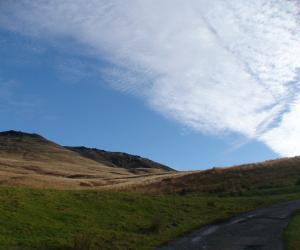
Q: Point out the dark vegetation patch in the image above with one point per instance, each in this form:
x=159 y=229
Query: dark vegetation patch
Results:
x=119 y=159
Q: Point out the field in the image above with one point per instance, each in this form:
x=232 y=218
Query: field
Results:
x=61 y=219
x=292 y=233
x=55 y=197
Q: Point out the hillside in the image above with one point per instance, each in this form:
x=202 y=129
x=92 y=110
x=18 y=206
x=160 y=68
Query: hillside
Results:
x=237 y=179
x=133 y=163
x=31 y=160
x=35 y=218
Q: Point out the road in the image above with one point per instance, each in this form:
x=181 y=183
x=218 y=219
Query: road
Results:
x=261 y=229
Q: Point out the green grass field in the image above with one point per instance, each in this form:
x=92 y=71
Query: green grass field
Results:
x=292 y=233
x=51 y=219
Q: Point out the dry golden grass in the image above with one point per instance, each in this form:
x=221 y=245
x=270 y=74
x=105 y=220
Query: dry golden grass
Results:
x=269 y=174
x=30 y=160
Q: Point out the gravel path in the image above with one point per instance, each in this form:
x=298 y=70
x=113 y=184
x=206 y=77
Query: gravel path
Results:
x=261 y=229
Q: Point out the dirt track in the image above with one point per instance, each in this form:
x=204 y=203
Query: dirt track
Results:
x=258 y=230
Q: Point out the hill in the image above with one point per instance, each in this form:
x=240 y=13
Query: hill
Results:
x=31 y=160
x=133 y=163
x=34 y=218
x=237 y=179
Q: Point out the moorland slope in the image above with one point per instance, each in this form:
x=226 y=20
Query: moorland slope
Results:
x=243 y=178
x=31 y=160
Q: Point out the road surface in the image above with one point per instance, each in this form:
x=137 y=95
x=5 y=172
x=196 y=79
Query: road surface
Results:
x=261 y=229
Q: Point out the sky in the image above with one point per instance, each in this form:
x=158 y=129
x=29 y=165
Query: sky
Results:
x=192 y=84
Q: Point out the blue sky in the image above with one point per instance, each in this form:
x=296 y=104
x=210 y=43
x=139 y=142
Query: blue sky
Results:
x=182 y=92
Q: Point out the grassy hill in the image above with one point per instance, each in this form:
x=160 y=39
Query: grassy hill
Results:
x=103 y=200
x=270 y=174
x=33 y=161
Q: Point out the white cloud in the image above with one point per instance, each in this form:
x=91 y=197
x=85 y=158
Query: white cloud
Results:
x=285 y=138
x=217 y=66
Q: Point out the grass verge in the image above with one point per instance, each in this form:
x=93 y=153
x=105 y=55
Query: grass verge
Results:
x=51 y=219
x=292 y=233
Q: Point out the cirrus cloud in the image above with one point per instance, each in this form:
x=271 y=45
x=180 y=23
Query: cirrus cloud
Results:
x=217 y=66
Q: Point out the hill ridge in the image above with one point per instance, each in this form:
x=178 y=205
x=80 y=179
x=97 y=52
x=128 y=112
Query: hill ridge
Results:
x=118 y=159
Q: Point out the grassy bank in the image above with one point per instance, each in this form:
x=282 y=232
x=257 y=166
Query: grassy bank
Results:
x=51 y=219
x=292 y=233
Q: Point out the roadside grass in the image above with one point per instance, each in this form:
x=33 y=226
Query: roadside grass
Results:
x=292 y=233
x=52 y=219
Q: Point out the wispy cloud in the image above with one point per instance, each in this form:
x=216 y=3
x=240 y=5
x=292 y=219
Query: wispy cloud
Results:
x=217 y=66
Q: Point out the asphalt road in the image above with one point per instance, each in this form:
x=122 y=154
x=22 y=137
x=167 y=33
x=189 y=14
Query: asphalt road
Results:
x=261 y=229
